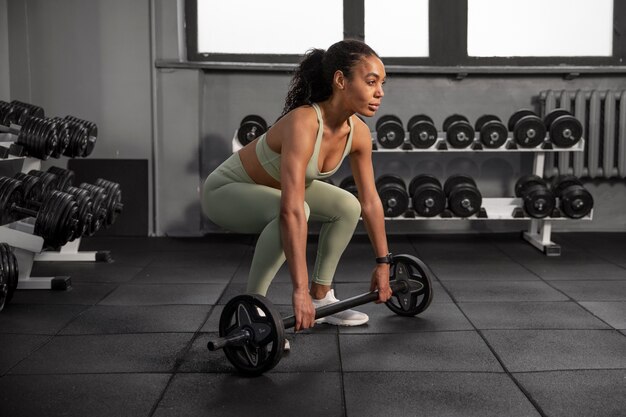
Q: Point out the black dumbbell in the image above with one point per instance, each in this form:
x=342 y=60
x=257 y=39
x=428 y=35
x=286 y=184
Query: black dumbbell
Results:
x=574 y=199
x=389 y=131
x=250 y=128
x=493 y=133
x=349 y=185
x=422 y=131
x=9 y=274
x=17 y=112
x=459 y=132
x=538 y=199
x=427 y=195
x=392 y=192
x=464 y=198
x=528 y=129
x=252 y=331
x=38 y=136
x=82 y=137
x=56 y=220
x=565 y=130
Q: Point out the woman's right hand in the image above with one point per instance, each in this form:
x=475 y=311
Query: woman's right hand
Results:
x=303 y=310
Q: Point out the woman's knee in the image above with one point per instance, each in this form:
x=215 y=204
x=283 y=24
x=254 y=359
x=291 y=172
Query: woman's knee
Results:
x=348 y=207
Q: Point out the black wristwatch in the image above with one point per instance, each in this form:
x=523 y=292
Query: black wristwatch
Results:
x=385 y=259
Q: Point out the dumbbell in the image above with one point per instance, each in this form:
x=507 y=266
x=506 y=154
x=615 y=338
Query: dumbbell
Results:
x=65 y=177
x=17 y=112
x=389 y=131
x=459 y=132
x=56 y=220
x=349 y=185
x=9 y=274
x=538 y=200
x=464 y=198
x=574 y=199
x=493 y=133
x=39 y=137
x=422 y=131
x=427 y=195
x=252 y=331
x=528 y=129
x=108 y=195
x=392 y=192
x=250 y=128
x=565 y=130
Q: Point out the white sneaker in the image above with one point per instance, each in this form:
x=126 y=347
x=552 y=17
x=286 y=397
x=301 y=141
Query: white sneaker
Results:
x=287 y=346
x=343 y=318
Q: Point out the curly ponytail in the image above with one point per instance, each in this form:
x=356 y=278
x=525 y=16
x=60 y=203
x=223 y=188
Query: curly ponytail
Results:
x=313 y=79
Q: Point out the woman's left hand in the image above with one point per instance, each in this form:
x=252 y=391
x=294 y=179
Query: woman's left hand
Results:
x=380 y=281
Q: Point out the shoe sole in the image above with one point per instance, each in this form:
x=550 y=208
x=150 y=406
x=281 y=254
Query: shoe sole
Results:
x=339 y=322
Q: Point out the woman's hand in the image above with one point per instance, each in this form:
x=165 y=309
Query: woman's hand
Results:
x=303 y=310
x=380 y=281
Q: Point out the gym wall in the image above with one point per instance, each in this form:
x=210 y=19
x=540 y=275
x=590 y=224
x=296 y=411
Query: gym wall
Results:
x=97 y=60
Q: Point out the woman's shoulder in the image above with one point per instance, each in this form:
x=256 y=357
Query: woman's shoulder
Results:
x=362 y=132
x=303 y=116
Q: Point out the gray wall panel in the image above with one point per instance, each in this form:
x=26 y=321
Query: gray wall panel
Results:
x=5 y=82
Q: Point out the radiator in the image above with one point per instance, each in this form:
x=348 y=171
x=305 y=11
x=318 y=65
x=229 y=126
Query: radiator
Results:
x=603 y=115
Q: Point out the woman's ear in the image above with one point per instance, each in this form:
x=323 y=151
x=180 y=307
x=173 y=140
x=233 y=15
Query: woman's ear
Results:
x=339 y=80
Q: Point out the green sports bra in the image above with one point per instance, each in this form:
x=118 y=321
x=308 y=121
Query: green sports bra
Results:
x=270 y=160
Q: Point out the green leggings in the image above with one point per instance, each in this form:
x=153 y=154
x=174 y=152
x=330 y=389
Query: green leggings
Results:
x=233 y=201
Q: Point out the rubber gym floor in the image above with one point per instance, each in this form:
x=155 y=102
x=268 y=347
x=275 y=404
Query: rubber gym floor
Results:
x=510 y=332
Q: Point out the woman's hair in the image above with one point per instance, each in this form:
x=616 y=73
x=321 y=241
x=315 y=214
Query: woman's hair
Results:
x=313 y=79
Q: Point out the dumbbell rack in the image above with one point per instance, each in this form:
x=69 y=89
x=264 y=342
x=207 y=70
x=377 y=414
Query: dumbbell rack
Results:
x=540 y=230
x=28 y=247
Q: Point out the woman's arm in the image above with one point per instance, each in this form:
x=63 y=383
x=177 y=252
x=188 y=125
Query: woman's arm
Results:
x=371 y=206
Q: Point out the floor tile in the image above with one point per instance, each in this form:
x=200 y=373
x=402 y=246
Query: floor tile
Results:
x=464 y=291
x=530 y=315
x=79 y=293
x=612 y=312
x=103 y=319
x=131 y=395
x=549 y=350
x=86 y=272
x=432 y=394
x=197 y=259
x=16 y=347
x=593 y=290
x=577 y=393
x=427 y=351
x=345 y=290
x=141 y=295
x=106 y=354
x=217 y=274
x=463 y=270
x=274 y=394
x=37 y=318
x=578 y=271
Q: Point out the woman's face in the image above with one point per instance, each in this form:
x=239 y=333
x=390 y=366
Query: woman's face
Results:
x=364 y=90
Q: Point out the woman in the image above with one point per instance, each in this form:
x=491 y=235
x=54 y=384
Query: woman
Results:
x=272 y=187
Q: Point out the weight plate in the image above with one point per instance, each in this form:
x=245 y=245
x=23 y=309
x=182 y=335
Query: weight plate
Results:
x=560 y=183
x=480 y=122
x=517 y=116
x=493 y=134
x=553 y=115
x=113 y=201
x=428 y=200
x=389 y=132
x=65 y=177
x=527 y=181
x=457 y=179
x=538 y=200
x=529 y=132
x=418 y=118
x=460 y=134
x=421 y=179
x=388 y=118
x=422 y=134
x=386 y=179
x=250 y=128
x=464 y=200
x=264 y=349
x=417 y=275
x=395 y=200
x=10 y=269
x=576 y=202
x=566 y=131
x=4 y=290
x=453 y=119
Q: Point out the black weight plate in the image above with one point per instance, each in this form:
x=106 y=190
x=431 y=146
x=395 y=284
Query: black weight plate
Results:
x=538 y=200
x=428 y=200
x=418 y=118
x=386 y=179
x=453 y=118
x=457 y=179
x=529 y=132
x=4 y=290
x=265 y=349
x=113 y=200
x=395 y=200
x=421 y=179
x=560 y=183
x=10 y=269
x=388 y=118
x=254 y=118
x=464 y=200
x=417 y=275
x=250 y=128
x=480 y=122
x=515 y=117
x=576 y=202
x=390 y=133
x=566 y=131
x=493 y=134
x=526 y=181
x=423 y=134
x=460 y=134
x=65 y=177
x=553 y=115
